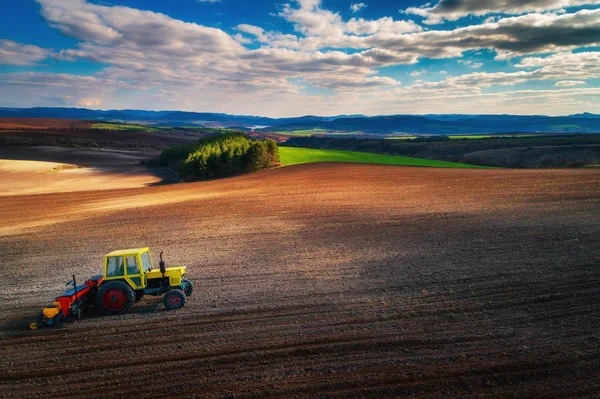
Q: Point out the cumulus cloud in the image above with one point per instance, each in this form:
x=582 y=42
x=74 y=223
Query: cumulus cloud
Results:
x=148 y=49
x=360 y=26
x=454 y=9
x=123 y=26
x=313 y=21
x=242 y=39
x=509 y=37
x=13 y=53
x=251 y=29
x=568 y=65
x=190 y=66
x=356 y=7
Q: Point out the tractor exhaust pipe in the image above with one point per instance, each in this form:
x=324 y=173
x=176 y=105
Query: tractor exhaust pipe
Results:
x=161 y=265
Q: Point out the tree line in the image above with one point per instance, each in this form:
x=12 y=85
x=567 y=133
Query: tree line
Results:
x=221 y=155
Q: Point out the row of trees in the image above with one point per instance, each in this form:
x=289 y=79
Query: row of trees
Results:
x=221 y=155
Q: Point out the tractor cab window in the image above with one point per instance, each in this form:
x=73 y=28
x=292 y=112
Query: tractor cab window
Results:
x=132 y=266
x=114 y=266
x=146 y=262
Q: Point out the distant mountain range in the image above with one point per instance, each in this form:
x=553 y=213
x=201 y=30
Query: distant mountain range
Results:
x=454 y=124
x=414 y=124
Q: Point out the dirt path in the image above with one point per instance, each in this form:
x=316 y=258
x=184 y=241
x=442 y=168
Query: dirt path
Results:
x=319 y=280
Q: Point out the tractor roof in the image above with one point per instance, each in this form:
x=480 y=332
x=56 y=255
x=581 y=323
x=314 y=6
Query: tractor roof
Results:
x=132 y=251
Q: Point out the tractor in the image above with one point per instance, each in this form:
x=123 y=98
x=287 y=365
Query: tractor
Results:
x=128 y=276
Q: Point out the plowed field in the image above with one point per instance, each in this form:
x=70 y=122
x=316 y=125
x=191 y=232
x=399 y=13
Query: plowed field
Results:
x=43 y=123
x=327 y=280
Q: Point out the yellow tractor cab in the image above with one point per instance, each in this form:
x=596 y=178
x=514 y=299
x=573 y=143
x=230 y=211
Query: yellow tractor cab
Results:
x=129 y=275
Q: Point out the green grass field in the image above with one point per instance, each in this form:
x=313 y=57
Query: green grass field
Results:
x=294 y=156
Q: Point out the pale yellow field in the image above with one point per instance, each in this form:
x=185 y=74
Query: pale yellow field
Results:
x=36 y=177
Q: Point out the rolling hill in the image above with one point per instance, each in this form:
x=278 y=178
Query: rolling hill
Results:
x=414 y=124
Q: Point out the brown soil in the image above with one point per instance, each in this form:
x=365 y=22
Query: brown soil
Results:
x=322 y=280
x=43 y=123
x=74 y=133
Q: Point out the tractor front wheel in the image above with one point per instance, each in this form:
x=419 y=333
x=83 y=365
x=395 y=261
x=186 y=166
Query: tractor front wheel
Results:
x=114 y=297
x=174 y=299
x=189 y=287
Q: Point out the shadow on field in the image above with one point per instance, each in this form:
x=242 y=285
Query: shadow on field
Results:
x=19 y=326
x=106 y=161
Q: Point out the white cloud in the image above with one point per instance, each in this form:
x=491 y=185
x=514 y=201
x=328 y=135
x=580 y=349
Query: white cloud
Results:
x=356 y=7
x=568 y=83
x=471 y=64
x=509 y=37
x=360 y=26
x=157 y=61
x=519 y=102
x=565 y=65
x=251 y=29
x=574 y=66
x=313 y=21
x=152 y=50
x=13 y=53
x=454 y=9
x=241 y=39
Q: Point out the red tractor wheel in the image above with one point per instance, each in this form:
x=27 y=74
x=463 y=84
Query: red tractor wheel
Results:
x=174 y=299
x=114 y=297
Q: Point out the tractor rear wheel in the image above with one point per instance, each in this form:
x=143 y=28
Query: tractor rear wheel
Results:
x=174 y=299
x=114 y=297
x=189 y=287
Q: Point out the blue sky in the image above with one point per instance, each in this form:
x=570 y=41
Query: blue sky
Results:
x=289 y=58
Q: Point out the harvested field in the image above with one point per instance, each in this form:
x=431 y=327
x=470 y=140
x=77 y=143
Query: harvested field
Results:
x=33 y=177
x=37 y=170
x=328 y=280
